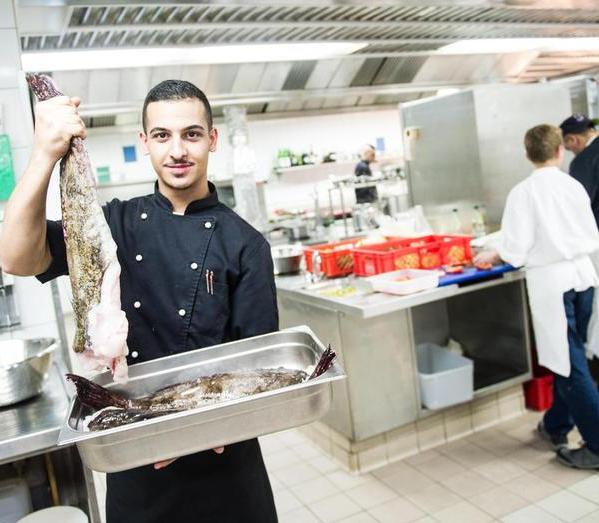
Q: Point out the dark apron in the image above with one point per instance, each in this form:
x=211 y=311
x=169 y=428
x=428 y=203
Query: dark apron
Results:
x=232 y=487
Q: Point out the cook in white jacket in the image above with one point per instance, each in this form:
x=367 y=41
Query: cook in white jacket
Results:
x=548 y=228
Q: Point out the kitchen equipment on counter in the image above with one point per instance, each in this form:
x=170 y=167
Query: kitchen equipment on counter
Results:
x=24 y=366
x=406 y=281
x=331 y=259
x=296 y=229
x=215 y=425
x=287 y=259
x=472 y=274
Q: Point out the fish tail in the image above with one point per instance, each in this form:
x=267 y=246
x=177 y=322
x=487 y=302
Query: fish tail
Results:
x=93 y=395
x=325 y=363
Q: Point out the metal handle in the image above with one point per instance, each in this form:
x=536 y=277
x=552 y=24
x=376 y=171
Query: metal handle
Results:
x=317 y=266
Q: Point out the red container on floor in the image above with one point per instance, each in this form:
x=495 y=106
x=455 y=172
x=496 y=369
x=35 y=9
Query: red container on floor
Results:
x=539 y=392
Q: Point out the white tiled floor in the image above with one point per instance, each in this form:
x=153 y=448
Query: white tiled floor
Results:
x=501 y=474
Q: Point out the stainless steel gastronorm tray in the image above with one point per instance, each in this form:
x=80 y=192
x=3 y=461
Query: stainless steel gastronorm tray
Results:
x=195 y=430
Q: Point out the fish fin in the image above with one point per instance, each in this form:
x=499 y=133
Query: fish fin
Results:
x=95 y=396
x=325 y=363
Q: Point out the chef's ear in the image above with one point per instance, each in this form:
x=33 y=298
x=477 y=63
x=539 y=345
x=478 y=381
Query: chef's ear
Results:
x=213 y=139
x=144 y=142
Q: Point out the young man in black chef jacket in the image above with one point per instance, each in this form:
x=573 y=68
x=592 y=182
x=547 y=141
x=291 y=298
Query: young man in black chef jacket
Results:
x=194 y=274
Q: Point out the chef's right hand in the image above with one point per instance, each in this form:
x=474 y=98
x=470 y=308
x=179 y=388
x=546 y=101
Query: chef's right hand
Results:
x=57 y=120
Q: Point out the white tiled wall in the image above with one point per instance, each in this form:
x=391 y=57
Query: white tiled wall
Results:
x=34 y=300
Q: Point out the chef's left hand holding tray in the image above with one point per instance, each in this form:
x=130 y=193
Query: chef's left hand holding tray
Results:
x=170 y=238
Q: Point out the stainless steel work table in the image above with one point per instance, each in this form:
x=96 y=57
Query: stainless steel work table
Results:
x=376 y=337
x=32 y=426
x=375 y=304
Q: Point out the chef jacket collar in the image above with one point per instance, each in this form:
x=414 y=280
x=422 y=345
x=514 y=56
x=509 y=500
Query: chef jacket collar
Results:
x=196 y=206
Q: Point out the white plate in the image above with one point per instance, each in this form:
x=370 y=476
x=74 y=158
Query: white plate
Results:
x=420 y=280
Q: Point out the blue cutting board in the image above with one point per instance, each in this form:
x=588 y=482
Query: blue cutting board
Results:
x=472 y=274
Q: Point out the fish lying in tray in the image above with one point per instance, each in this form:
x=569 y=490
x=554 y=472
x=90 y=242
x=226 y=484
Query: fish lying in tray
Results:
x=113 y=410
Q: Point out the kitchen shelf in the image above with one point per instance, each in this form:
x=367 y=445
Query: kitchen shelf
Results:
x=324 y=168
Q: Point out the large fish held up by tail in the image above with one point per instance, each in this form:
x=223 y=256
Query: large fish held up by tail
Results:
x=94 y=270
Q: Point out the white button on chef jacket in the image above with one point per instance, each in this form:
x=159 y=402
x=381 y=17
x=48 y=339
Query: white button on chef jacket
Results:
x=137 y=304
x=134 y=354
x=139 y=257
x=143 y=215
x=194 y=266
x=207 y=225
x=181 y=312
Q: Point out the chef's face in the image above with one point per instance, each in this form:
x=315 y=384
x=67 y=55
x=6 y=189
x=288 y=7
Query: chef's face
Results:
x=179 y=139
x=575 y=143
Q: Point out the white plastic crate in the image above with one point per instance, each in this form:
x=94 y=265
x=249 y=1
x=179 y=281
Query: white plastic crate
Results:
x=445 y=378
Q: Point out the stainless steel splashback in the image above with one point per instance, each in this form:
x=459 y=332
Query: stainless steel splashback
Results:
x=466 y=148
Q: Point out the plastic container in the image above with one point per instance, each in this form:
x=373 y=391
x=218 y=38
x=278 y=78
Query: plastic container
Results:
x=336 y=259
x=385 y=257
x=61 y=514
x=424 y=252
x=538 y=393
x=445 y=378
x=444 y=250
x=407 y=281
x=15 y=501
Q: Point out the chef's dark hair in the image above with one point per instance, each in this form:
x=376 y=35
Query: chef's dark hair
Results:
x=175 y=90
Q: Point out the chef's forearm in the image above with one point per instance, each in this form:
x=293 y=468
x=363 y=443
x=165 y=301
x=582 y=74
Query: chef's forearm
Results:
x=24 y=250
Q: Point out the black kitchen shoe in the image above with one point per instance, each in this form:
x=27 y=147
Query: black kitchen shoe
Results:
x=581 y=458
x=556 y=441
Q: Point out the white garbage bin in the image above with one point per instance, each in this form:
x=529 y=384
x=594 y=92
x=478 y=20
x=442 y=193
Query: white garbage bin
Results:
x=56 y=515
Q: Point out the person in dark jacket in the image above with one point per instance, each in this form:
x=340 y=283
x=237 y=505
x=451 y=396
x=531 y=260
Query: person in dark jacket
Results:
x=193 y=274
x=367 y=156
x=579 y=135
x=365 y=194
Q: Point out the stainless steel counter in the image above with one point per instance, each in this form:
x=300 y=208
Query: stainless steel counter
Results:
x=376 y=337
x=369 y=305
x=31 y=427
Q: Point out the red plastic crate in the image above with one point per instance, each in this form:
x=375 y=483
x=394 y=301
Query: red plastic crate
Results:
x=539 y=392
x=444 y=249
x=336 y=258
x=385 y=257
x=424 y=252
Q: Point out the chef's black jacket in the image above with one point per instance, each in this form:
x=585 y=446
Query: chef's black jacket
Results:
x=172 y=308
x=585 y=168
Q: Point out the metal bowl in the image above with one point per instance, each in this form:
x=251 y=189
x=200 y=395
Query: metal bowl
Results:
x=287 y=258
x=24 y=366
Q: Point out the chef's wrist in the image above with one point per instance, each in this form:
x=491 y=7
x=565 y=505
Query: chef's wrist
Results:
x=42 y=161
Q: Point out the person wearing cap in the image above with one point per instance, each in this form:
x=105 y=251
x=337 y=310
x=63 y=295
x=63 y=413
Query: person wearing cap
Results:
x=579 y=135
x=548 y=228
